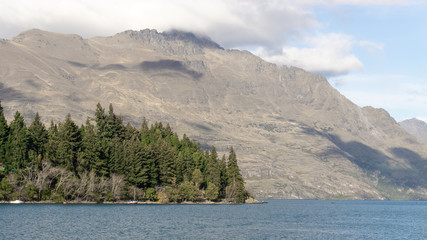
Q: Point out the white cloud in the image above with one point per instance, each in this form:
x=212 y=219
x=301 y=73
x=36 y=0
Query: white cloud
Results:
x=360 y=2
x=231 y=23
x=327 y=54
x=274 y=27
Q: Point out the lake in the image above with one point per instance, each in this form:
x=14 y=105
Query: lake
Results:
x=278 y=219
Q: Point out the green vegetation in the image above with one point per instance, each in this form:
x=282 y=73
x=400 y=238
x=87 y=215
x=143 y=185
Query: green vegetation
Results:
x=106 y=160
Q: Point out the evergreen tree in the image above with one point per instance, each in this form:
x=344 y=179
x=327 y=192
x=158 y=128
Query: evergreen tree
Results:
x=116 y=149
x=101 y=121
x=104 y=136
x=179 y=168
x=130 y=132
x=89 y=157
x=114 y=125
x=166 y=162
x=153 y=165
x=68 y=144
x=236 y=187
x=144 y=132
x=52 y=144
x=136 y=163
x=173 y=140
x=213 y=173
x=197 y=161
x=18 y=143
x=4 y=134
x=38 y=139
x=223 y=173
x=5 y=189
x=100 y=162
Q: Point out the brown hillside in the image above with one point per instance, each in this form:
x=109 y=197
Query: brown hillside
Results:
x=295 y=135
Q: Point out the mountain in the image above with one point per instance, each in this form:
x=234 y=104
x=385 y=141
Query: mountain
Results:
x=295 y=135
x=417 y=128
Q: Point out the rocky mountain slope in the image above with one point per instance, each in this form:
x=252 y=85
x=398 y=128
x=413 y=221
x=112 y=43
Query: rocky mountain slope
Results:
x=295 y=135
x=417 y=128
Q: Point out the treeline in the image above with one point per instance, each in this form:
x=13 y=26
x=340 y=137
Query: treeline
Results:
x=106 y=160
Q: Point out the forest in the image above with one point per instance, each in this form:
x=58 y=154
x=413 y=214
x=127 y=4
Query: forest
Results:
x=105 y=160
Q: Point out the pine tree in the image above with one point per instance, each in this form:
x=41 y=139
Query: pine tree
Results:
x=167 y=159
x=88 y=161
x=18 y=143
x=213 y=173
x=4 y=134
x=236 y=187
x=114 y=125
x=222 y=164
x=136 y=163
x=103 y=136
x=89 y=156
x=52 y=144
x=69 y=144
x=116 y=156
x=153 y=165
x=162 y=162
x=179 y=168
x=144 y=131
x=101 y=121
x=38 y=139
x=5 y=189
x=130 y=132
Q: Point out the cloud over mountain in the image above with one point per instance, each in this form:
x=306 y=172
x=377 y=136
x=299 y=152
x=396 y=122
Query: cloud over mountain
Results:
x=326 y=54
x=275 y=27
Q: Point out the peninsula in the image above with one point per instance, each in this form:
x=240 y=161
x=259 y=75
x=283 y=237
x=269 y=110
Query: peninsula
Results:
x=105 y=160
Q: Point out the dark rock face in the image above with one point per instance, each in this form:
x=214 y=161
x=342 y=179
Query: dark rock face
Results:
x=295 y=135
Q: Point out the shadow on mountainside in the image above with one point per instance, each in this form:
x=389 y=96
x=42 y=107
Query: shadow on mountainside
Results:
x=114 y=66
x=373 y=160
x=78 y=64
x=9 y=94
x=161 y=65
x=417 y=163
x=172 y=65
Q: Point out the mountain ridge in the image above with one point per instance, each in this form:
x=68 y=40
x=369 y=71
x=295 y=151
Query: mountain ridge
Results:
x=417 y=128
x=296 y=136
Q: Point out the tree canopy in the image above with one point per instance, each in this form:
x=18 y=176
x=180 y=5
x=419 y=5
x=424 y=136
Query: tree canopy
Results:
x=106 y=160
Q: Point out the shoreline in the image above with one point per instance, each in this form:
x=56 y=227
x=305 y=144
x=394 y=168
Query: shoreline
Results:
x=254 y=201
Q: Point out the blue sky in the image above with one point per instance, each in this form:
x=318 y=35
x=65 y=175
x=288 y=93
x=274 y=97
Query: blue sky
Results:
x=394 y=73
x=373 y=52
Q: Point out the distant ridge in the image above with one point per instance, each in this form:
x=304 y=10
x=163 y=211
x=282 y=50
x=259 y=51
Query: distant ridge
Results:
x=417 y=128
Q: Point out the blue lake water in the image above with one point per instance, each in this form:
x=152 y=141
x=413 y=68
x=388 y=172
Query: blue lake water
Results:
x=279 y=219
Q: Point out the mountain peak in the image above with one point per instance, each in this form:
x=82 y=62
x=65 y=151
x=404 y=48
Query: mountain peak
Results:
x=186 y=37
x=191 y=37
x=43 y=39
x=37 y=33
x=417 y=128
